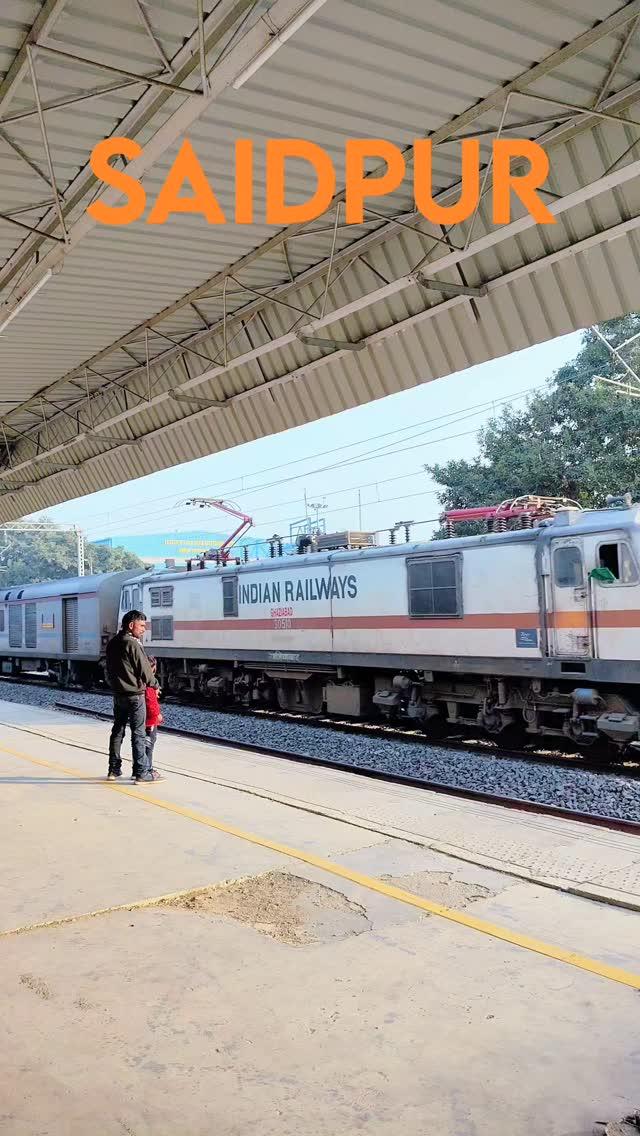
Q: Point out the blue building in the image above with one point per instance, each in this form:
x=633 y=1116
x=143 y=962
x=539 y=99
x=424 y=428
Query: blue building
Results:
x=156 y=548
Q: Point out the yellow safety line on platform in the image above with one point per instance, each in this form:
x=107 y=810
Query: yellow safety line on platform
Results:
x=537 y=946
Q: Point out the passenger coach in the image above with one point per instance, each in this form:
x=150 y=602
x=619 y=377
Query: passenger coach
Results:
x=61 y=628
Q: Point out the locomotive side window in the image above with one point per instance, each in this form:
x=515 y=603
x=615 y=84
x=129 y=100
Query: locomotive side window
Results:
x=619 y=560
x=433 y=587
x=161 y=596
x=567 y=567
x=162 y=628
x=230 y=595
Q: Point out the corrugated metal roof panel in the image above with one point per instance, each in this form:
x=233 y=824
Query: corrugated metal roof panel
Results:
x=356 y=69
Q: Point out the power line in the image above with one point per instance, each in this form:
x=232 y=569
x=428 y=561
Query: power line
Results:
x=455 y=416
x=382 y=501
x=349 y=489
x=382 y=451
x=352 y=461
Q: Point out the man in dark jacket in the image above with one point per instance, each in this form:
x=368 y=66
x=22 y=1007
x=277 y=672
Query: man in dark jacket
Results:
x=129 y=673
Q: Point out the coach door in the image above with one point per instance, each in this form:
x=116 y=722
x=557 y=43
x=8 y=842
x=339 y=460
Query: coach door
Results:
x=569 y=617
x=70 y=625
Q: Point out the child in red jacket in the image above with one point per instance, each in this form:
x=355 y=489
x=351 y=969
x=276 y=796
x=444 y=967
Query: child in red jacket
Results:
x=154 y=715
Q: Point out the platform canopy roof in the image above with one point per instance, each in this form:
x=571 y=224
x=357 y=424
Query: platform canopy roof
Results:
x=134 y=349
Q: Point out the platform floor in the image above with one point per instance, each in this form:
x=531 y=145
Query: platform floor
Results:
x=262 y=948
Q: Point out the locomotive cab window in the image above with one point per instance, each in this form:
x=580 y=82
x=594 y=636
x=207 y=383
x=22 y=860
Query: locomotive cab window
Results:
x=567 y=566
x=617 y=557
x=434 y=587
x=229 y=595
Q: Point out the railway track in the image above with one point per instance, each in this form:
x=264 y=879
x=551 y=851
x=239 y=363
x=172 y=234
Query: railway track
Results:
x=601 y=821
x=592 y=760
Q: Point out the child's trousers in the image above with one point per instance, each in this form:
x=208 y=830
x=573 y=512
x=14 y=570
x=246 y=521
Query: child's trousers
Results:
x=152 y=733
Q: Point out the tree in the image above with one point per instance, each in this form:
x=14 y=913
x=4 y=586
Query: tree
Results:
x=101 y=558
x=577 y=439
x=37 y=557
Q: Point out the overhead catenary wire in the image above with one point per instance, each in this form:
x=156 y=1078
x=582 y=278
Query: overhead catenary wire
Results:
x=241 y=487
x=387 y=450
x=355 y=461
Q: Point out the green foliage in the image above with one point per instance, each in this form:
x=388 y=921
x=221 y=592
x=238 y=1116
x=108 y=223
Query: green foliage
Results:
x=37 y=557
x=576 y=439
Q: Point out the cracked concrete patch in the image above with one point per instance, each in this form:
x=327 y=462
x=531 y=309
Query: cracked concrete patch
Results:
x=442 y=888
x=283 y=906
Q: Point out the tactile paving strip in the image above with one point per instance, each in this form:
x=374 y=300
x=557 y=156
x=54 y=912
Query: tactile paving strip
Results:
x=623 y=879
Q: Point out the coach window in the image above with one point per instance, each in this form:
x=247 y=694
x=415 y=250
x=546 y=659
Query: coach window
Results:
x=434 y=588
x=31 y=625
x=15 y=625
x=567 y=566
x=619 y=560
x=229 y=595
x=135 y=598
x=2 y=622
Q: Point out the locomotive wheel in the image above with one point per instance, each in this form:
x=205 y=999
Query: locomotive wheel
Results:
x=436 y=727
x=512 y=735
x=174 y=684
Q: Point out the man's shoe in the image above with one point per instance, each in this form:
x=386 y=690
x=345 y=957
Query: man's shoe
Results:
x=113 y=773
x=148 y=778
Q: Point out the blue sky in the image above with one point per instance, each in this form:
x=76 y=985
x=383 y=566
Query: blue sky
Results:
x=379 y=449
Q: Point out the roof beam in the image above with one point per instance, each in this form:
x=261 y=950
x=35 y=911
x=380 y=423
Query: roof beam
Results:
x=620 y=20
x=157 y=46
x=42 y=26
x=491 y=240
x=149 y=80
x=185 y=63
x=446 y=286
x=70 y=100
x=258 y=38
x=370 y=341
x=577 y=121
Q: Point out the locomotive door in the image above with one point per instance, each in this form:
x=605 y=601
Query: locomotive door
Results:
x=569 y=615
